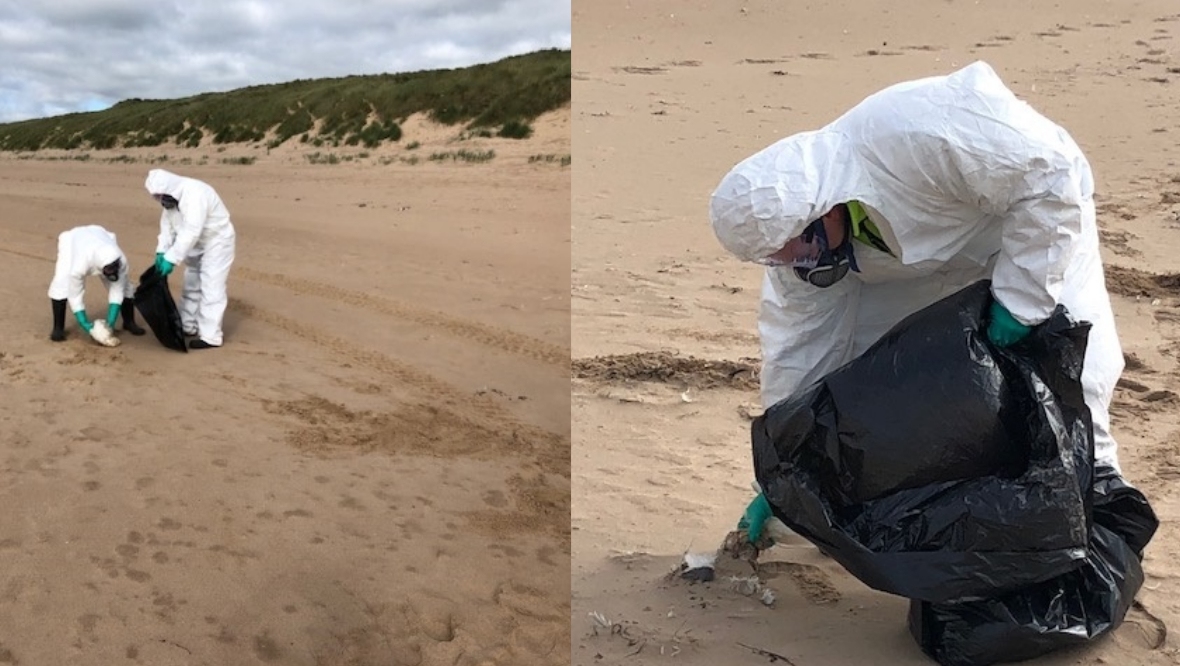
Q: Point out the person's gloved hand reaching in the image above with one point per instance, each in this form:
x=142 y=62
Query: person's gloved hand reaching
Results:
x=112 y=315
x=1003 y=329
x=83 y=320
x=755 y=517
x=163 y=265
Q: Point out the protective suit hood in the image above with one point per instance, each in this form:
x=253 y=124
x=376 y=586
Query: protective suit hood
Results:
x=933 y=156
x=768 y=198
x=160 y=181
x=105 y=254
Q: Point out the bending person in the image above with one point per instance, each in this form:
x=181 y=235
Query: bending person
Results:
x=916 y=192
x=82 y=252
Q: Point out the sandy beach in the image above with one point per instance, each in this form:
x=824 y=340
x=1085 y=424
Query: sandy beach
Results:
x=668 y=97
x=373 y=469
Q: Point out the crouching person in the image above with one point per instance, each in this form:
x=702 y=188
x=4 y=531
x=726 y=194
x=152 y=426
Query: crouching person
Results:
x=82 y=252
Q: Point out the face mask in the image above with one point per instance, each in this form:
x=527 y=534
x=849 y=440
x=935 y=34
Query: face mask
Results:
x=829 y=265
x=168 y=202
x=813 y=260
x=111 y=270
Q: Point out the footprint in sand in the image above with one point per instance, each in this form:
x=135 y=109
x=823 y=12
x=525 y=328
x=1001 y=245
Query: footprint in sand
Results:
x=1119 y=242
x=635 y=69
x=1164 y=459
x=812 y=581
x=1152 y=627
x=999 y=40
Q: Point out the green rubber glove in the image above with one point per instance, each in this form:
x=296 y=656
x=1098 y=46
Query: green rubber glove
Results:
x=83 y=320
x=112 y=315
x=755 y=517
x=159 y=258
x=1003 y=329
x=165 y=267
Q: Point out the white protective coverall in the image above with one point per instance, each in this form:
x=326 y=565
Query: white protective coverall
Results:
x=199 y=233
x=82 y=252
x=964 y=182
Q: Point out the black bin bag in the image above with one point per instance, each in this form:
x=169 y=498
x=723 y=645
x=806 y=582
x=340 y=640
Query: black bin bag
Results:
x=155 y=304
x=935 y=466
x=1072 y=609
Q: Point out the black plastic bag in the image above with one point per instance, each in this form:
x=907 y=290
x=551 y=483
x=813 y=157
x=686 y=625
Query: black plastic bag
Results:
x=935 y=466
x=154 y=302
x=1072 y=609
x=1122 y=509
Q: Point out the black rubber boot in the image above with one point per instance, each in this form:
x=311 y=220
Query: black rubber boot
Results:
x=59 y=320
x=128 y=311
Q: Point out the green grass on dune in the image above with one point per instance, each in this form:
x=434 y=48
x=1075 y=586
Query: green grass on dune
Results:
x=500 y=98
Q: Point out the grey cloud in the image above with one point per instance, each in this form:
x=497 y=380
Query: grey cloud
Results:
x=69 y=55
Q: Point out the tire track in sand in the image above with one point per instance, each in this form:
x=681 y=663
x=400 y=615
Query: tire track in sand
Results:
x=549 y=449
x=29 y=255
x=490 y=336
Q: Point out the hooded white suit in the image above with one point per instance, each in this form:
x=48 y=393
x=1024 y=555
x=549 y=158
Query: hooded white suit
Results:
x=199 y=233
x=82 y=252
x=964 y=182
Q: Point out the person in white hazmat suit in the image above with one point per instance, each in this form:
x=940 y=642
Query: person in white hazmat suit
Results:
x=82 y=252
x=195 y=228
x=917 y=191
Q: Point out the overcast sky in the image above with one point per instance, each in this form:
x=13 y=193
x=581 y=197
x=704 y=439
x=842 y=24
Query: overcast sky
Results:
x=62 y=56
